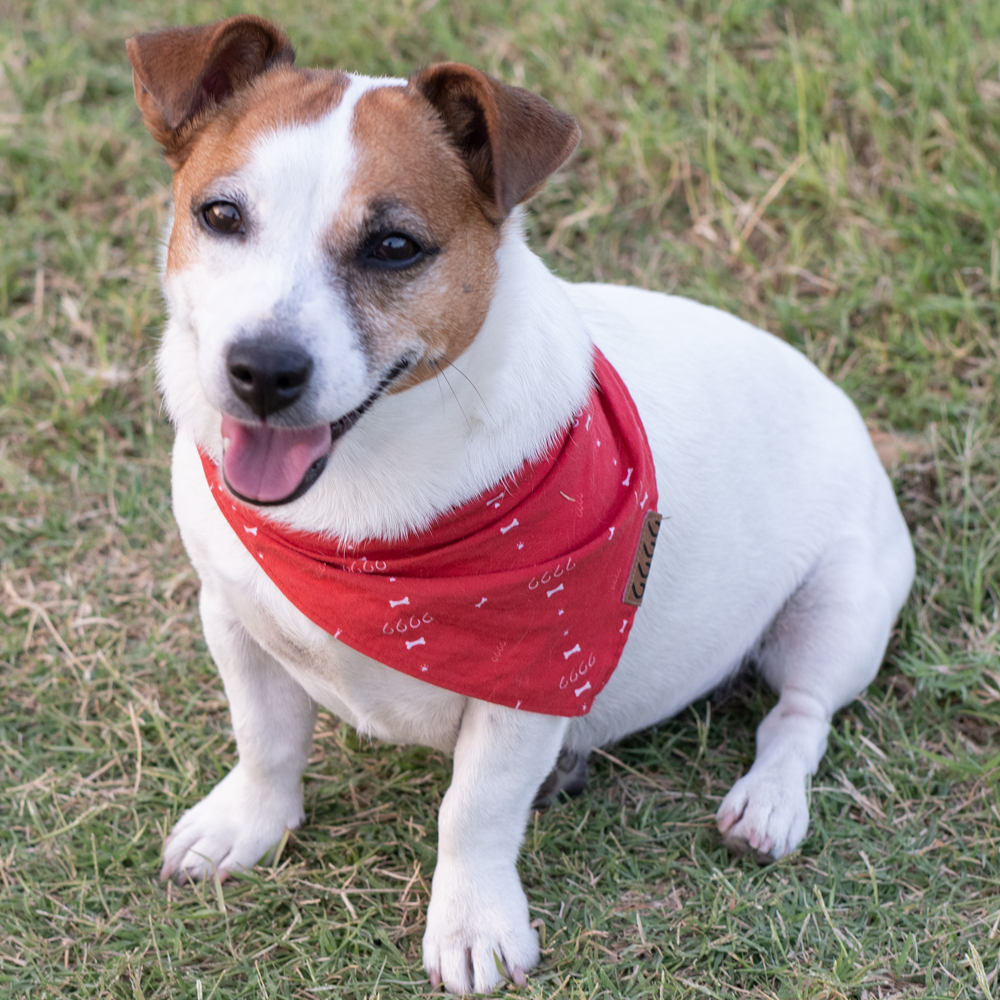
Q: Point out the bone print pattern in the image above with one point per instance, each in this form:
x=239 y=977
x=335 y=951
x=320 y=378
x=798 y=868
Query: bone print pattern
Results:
x=513 y=598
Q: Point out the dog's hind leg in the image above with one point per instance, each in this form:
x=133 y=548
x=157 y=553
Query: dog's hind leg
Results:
x=273 y=718
x=819 y=653
x=568 y=777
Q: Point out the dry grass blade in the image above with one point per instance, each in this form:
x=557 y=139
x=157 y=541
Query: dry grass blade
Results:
x=772 y=192
x=977 y=967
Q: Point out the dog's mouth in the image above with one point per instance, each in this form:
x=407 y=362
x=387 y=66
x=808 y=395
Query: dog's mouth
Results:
x=267 y=465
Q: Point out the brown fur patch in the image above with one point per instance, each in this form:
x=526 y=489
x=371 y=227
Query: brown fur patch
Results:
x=410 y=179
x=182 y=75
x=280 y=98
x=510 y=138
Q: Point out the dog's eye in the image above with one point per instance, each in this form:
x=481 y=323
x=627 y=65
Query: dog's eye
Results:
x=223 y=216
x=396 y=248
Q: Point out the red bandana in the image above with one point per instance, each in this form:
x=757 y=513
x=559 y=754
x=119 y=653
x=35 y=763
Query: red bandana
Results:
x=516 y=597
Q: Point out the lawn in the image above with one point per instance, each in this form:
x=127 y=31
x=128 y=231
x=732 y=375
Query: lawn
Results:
x=826 y=170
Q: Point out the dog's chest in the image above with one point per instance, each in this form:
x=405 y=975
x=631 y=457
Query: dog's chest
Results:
x=378 y=701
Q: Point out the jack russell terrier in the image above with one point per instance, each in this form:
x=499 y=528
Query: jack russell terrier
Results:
x=419 y=494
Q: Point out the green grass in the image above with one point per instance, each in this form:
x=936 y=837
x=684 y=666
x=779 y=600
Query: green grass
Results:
x=878 y=256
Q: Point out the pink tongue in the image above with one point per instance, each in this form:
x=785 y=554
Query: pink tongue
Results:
x=267 y=463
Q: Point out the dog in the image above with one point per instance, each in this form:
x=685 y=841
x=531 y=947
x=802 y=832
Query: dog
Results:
x=366 y=365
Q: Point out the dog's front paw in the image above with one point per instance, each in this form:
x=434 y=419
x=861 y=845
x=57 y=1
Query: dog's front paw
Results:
x=231 y=828
x=766 y=812
x=474 y=920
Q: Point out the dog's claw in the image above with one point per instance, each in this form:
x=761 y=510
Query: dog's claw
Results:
x=435 y=978
x=726 y=820
x=518 y=975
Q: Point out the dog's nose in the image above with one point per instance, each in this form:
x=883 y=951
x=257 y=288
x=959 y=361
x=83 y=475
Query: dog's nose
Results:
x=267 y=374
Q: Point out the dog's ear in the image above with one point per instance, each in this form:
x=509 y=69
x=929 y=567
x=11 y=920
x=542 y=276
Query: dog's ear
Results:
x=510 y=139
x=182 y=74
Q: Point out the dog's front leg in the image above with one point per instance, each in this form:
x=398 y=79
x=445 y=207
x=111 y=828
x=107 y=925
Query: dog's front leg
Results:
x=273 y=718
x=478 y=908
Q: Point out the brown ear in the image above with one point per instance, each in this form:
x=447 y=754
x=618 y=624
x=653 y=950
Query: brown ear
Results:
x=181 y=74
x=510 y=139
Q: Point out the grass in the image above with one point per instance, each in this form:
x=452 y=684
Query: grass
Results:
x=827 y=171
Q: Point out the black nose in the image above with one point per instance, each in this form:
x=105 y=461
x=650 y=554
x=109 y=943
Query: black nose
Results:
x=268 y=374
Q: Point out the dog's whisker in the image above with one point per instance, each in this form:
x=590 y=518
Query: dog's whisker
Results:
x=444 y=375
x=451 y=364
x=434 y=364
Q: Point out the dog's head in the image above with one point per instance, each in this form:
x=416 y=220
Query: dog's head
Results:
x=334 y=237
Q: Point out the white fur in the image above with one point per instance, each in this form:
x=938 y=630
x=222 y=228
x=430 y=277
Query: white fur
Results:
x=781 y=538
x=294 y=182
